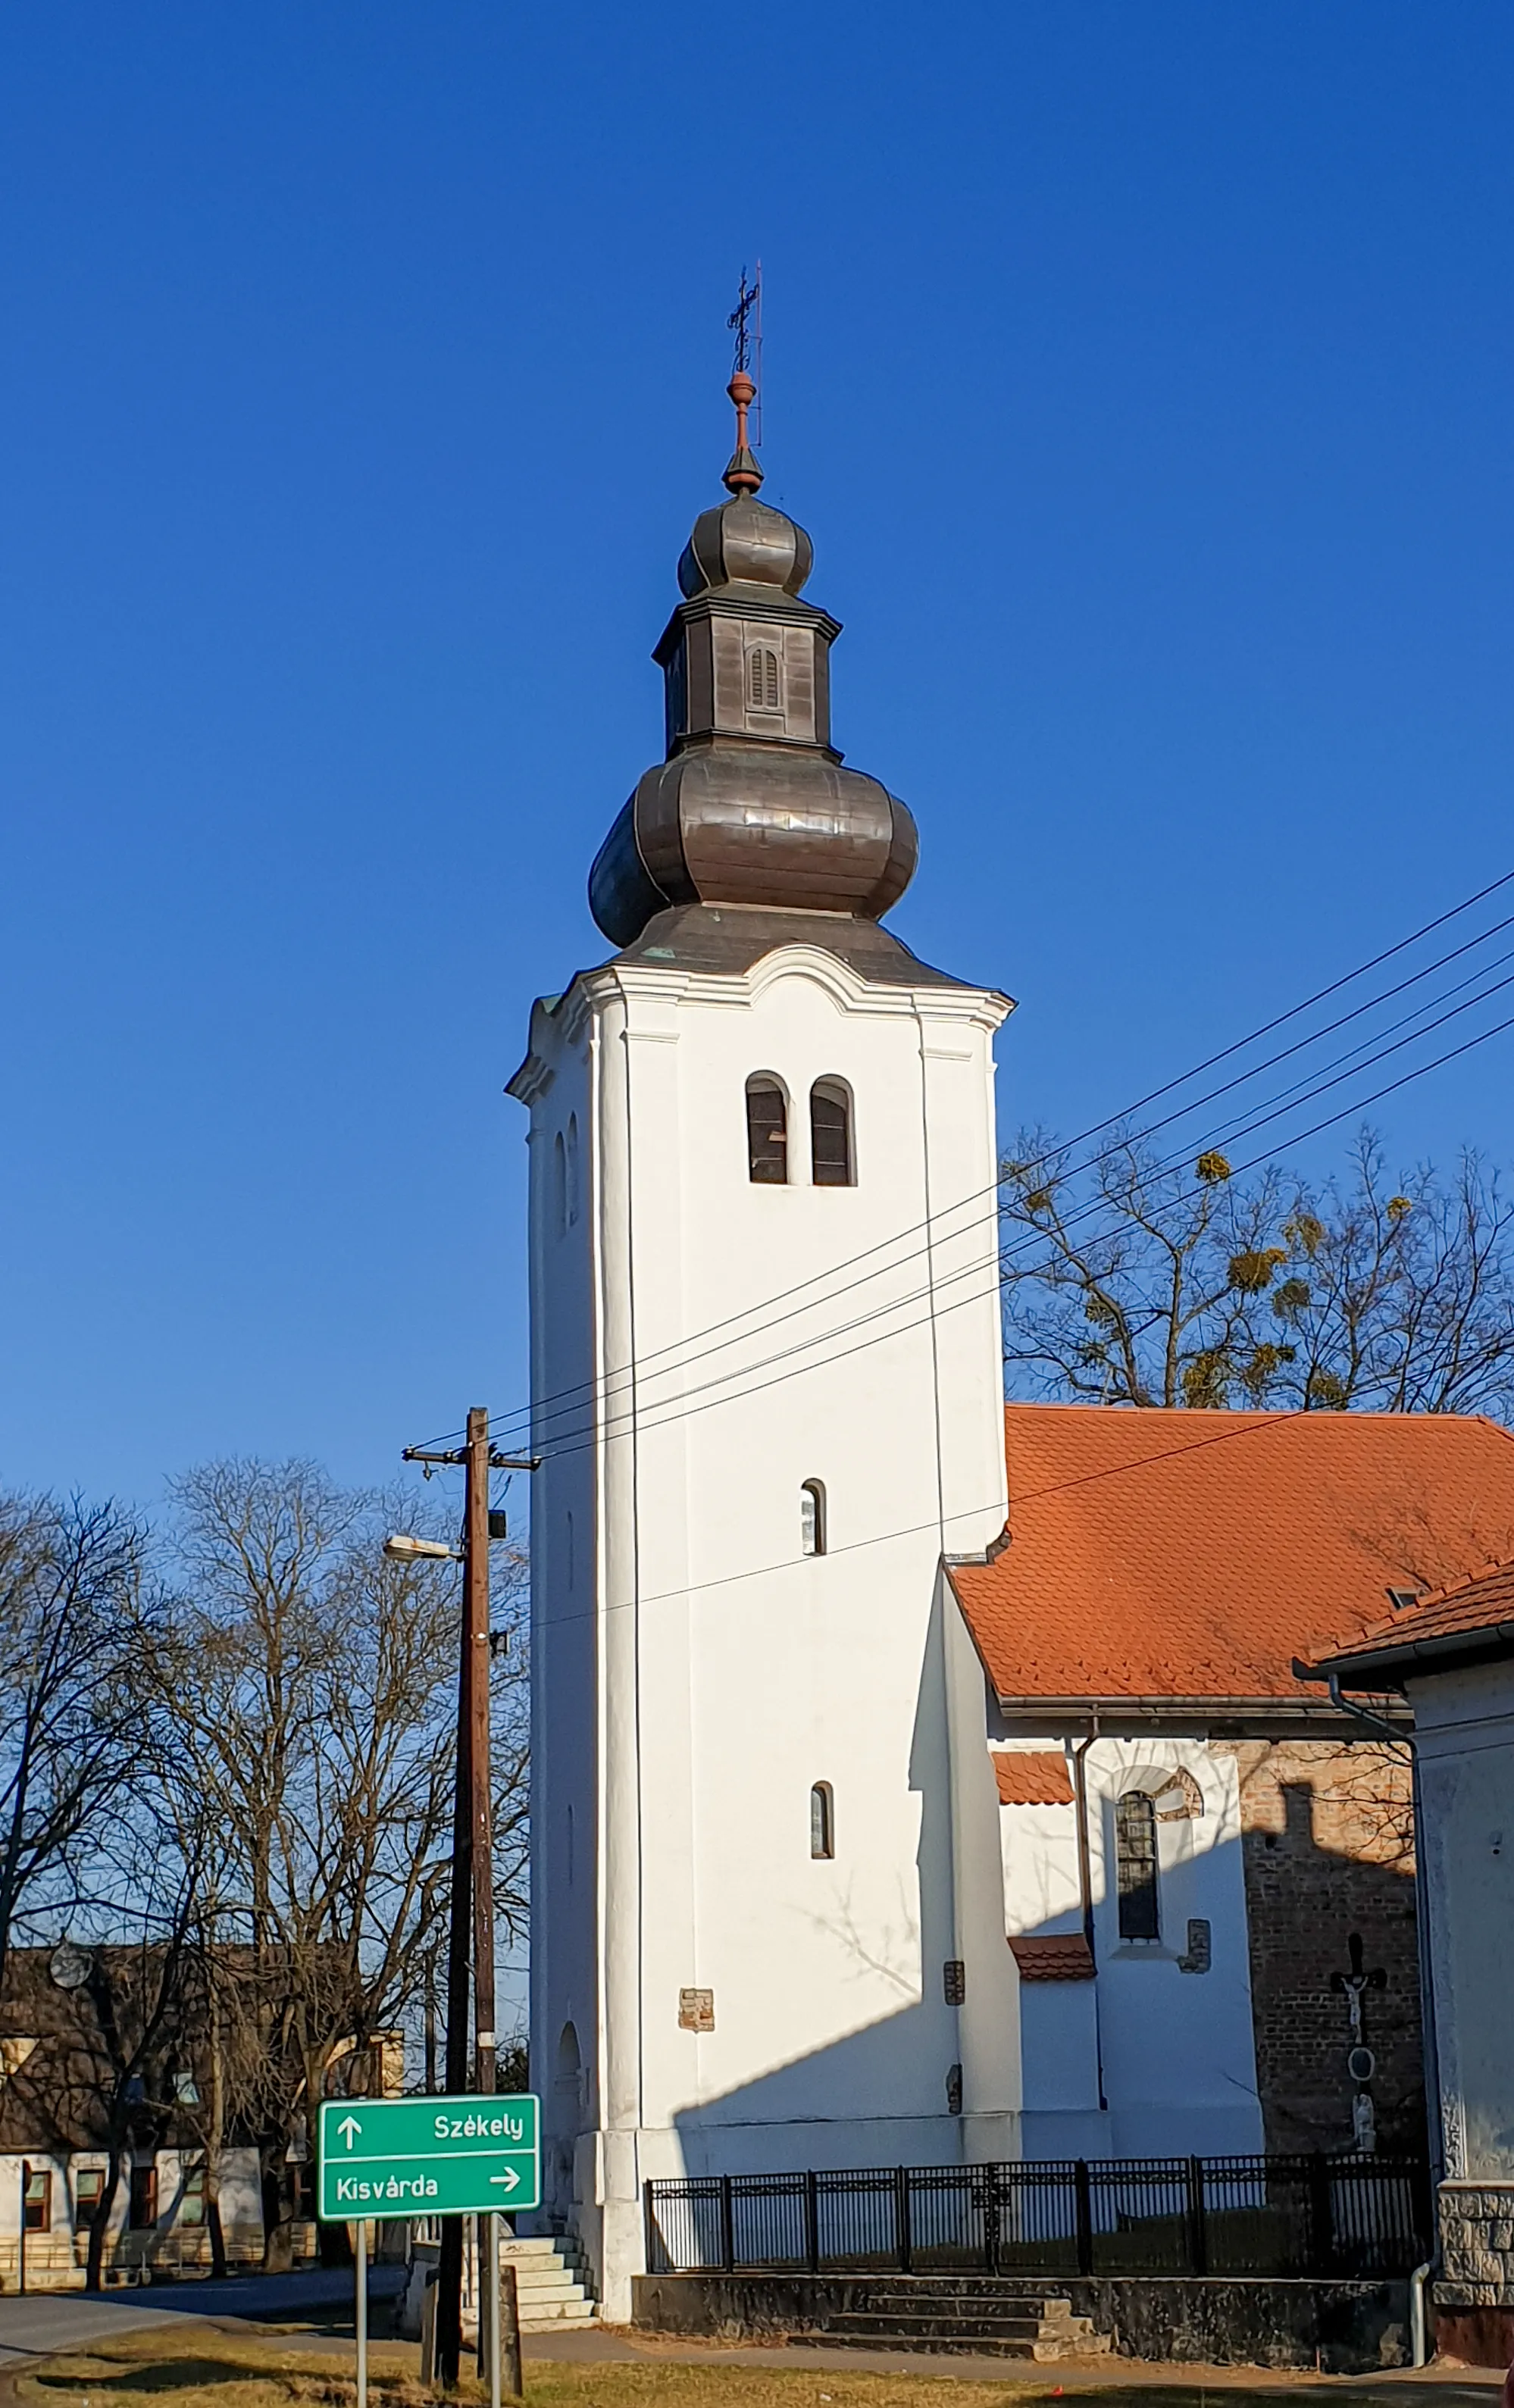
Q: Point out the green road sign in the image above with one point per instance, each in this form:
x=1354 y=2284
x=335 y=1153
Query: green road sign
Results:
x=428 y=2156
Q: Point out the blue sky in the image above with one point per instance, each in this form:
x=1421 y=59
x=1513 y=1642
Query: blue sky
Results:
x=1143 y=375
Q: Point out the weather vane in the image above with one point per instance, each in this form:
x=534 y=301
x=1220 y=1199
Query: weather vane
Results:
x=746 y=324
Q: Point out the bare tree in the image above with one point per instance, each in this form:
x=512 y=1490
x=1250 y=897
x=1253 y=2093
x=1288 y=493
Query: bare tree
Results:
x=74 y=1610
x=311 y=1688
x=1129 y=1282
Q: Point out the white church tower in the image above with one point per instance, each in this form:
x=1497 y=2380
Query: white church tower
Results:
x=766 y=1363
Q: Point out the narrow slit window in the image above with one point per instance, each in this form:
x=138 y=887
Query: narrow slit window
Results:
x=830 y=1133
x=821 y=1820
x=768 y=1133
x=1135 y=1865
x=763 y=678
x=812 y=1519
x=558 y=1184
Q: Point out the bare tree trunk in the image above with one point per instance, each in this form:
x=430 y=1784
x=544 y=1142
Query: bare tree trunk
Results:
x=99 y=2229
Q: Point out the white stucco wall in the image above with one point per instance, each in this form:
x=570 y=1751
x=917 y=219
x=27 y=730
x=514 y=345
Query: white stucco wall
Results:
x=696 y=1675
x=1177 y=2049
x=1465 y=1729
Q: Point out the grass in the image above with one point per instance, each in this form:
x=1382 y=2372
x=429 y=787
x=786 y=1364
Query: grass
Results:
x=206 y=2369
x=210 y=2368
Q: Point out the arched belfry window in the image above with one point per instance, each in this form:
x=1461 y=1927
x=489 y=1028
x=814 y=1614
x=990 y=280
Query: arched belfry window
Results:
x=1135 y=1865
x=767 y=1132
x=830 y=1133
x=821 y=1820
x=812 y=1518
x=762 y=677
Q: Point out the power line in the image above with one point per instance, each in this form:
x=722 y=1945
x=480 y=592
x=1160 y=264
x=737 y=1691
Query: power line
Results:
x=604 y=1384
x=1313 y=1082
x=654 y=1418
x=1251 y=1428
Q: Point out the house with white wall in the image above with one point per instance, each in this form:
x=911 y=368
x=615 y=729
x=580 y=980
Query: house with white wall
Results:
x=1450 y=1657
x=890 y=1766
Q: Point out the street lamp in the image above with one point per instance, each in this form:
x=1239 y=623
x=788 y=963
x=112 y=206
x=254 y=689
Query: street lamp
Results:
x=401 y=1549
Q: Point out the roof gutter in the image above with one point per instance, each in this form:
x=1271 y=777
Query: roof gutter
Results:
x=1396 y=1661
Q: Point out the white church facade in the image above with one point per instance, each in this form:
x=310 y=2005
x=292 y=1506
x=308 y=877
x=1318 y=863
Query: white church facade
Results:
x=907 y=1781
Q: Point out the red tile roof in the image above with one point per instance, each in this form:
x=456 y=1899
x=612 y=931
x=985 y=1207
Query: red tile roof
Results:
x=1052 y=1956
x=1193 y=1554
x=1028 y=1778
x=1476 y=1610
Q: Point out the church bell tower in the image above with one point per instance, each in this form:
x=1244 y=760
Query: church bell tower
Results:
x=765 y=1361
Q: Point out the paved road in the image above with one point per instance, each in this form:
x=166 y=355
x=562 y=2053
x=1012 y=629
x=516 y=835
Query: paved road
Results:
x=60 y=2319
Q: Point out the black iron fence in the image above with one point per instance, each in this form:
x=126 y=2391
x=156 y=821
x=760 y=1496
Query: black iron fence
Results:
x=1303 y=2215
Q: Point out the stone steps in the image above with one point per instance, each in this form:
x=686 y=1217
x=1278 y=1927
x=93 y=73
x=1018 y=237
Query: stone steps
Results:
x=551 y=2287
x=962 y=2319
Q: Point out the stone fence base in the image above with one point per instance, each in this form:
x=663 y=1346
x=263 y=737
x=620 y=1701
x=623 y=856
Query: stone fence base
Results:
x=1341 y=2327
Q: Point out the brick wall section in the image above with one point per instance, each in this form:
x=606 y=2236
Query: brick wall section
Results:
x=1327 y=1845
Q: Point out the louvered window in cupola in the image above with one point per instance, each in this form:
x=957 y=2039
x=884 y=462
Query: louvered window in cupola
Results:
x=763 y=690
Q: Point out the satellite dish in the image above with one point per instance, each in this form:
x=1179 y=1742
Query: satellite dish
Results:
x=69 y=1965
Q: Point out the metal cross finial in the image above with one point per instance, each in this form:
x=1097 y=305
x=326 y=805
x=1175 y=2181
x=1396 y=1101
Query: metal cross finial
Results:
x=749 y=304
x=743 y=475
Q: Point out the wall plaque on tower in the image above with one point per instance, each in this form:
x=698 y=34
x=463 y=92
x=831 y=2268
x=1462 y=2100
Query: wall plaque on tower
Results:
x=696 y=2011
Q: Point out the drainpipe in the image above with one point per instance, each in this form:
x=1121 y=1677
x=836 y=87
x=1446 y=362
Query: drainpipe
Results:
x=1422 y=2275
x=1085 y=1887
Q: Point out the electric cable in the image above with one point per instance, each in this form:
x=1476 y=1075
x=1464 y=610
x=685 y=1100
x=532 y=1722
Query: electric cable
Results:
x=605 y=1381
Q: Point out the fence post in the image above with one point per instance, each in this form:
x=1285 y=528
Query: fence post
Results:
x=991 y=2218
x=901 y=2215
x=1198 y=2239
x=811 y=2224
x=728 y=2227
x=1083 y=2210
x=1321 y=2233
x=649 y=2229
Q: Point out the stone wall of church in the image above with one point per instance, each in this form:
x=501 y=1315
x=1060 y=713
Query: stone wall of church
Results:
x=1327 y=1852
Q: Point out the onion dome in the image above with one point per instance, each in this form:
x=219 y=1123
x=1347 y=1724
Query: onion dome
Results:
x=752 y=805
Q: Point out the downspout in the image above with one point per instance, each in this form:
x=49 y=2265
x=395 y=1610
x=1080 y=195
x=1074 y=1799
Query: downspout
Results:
x=1085 y=1889
x=1420 y=2278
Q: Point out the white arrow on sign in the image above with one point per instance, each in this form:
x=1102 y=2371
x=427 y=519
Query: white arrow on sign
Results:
x=349 y=2128
x=510 y=2179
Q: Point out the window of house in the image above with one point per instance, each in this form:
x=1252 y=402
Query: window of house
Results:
x=1135 y=1865
x=142 y=2209
x=768 y=1133
x=88 y=2192
x=821 y=1820
x=305 y=2193
x=192 y=2197
x=812 y=1518
x=830 y=1133
x=39 y=2198
x=763 y=678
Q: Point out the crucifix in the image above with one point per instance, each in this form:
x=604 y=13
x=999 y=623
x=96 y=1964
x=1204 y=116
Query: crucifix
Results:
x=1360 y=2062
x=746 y=324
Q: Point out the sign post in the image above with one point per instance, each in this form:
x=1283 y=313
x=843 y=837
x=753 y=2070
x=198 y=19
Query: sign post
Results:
x=397 y=2159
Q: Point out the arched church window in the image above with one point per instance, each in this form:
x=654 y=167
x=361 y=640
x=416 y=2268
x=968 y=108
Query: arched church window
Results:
x=762 y=677
x=812 y=1518
x=1135 y=1865
x=767 y=1132
x=830 y=1133
x=821 y=1820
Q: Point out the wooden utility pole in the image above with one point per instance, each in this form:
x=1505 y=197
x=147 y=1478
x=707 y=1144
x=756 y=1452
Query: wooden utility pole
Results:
x=472 y=1899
